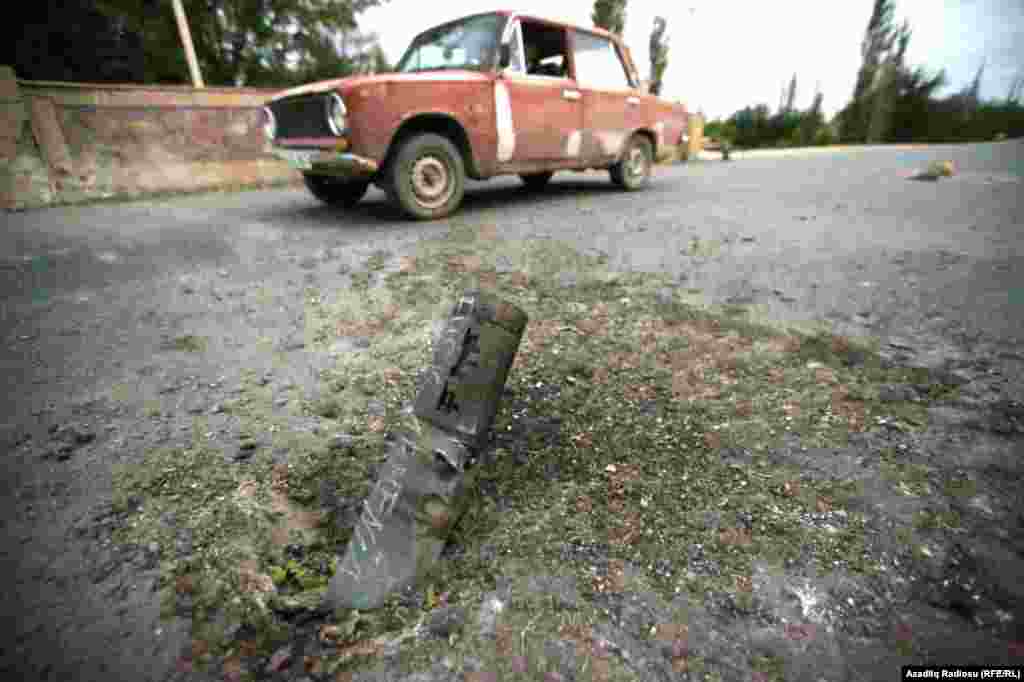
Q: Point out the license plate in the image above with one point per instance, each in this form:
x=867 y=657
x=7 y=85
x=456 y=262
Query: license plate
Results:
x=299 y=159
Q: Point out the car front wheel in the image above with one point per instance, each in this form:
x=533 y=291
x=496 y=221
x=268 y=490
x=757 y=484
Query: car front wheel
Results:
x=634 y=170
x=536 y=180
x=336 y=192
x=426 y=177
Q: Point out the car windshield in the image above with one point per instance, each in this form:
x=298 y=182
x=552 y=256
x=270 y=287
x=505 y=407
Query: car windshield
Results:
x=465 y=44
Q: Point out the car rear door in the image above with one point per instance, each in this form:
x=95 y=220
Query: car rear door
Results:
x=539 y=117
x=611 y=106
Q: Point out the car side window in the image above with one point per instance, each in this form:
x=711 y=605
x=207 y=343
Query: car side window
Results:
x=545 y=50
x=598 y=65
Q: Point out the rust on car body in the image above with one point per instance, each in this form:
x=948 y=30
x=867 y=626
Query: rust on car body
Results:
x=567 y=98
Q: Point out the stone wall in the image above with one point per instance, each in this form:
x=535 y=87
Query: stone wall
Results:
x=71 y=142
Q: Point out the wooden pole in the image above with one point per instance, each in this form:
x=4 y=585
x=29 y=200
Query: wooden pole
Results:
x=186 y=41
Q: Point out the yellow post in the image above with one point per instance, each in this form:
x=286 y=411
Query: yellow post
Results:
x=186 y=41
x=695 y=129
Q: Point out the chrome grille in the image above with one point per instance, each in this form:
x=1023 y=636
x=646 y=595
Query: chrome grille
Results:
x=302 y=116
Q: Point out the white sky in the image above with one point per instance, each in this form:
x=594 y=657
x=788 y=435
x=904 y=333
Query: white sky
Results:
x=727 y=54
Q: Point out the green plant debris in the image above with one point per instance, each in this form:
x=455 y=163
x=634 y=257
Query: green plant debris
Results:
x=377 y=259
x=651 y=398
x=361 y=280
x=934 y=520
x=910 y=479
x=121 y=393
x=960 y=487
x=188 y=343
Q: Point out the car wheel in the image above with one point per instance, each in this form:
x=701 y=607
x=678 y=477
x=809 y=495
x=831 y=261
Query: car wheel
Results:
x=536 y=180
x=426 y=177
x=634 y=170
x=336 y=192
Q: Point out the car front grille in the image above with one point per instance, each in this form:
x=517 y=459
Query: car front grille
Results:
x=302 y=116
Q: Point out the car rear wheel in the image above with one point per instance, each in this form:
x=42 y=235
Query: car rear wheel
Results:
x=426 y=177
x=336 y=192
x=536 y=180
x=634 y=170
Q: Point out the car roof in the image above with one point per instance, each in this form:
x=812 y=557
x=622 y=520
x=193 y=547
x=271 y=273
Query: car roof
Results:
x=592 y=29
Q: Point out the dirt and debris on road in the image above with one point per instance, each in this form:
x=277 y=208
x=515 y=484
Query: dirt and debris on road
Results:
x=737 y=445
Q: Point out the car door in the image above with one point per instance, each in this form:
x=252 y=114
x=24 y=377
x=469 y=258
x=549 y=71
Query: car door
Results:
x=611 y=106
x=539 y=113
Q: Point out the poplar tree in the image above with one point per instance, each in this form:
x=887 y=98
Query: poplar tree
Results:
x=610 y=15
x=658 y=55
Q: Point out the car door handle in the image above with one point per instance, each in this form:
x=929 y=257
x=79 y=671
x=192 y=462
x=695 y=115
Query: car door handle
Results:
x=571 y=94
x=633 y=100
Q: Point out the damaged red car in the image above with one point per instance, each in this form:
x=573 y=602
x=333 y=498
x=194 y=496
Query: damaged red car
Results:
x=490 y=94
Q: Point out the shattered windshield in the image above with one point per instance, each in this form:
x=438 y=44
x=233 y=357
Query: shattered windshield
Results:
x=465 y=44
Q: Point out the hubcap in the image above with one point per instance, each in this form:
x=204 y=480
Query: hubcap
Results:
x=431 y=182
x=637 y=162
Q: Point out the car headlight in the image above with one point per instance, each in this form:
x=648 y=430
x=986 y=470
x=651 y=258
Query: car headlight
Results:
x=336 y=114
x=269 y=124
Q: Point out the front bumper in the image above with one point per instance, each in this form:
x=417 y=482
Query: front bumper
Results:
x=343 y=165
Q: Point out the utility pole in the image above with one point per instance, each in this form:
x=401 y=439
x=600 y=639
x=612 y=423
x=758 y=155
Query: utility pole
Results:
x=186 y=41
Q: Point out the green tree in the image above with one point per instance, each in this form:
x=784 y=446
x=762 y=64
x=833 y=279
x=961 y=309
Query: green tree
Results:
x=876 y=105
x=658 y=55
x=713 y=129
x=915 y=116
x=610 y=15
x=880 y=103
x=975 y=89
x=379 y=60
x=753 y=126
x=1013 y=95
x=729 y=131
x=825 y=136
x=812 y=121
x=790 y=95
x=243 y=42
x=363 y=52
x=84 y=46
x=879 y=38
x=720 y=130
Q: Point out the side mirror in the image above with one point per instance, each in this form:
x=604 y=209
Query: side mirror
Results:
x=504 y=55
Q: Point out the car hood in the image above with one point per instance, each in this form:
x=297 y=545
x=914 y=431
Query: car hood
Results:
x=345 y=85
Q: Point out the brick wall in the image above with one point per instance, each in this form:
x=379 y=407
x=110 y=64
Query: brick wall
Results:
x=71 y=142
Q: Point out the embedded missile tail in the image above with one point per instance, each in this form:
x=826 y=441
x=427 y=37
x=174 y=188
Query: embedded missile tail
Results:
x=417 y=499
x=471 y=362
x=424 y=487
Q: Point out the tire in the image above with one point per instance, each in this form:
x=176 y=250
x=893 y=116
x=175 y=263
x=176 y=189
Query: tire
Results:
x=336 y=192
x=536 y=180
x=426 y=178
x=633 y=172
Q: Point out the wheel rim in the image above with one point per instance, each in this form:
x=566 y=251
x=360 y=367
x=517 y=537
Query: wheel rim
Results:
x=637 y=165
x=431 y=182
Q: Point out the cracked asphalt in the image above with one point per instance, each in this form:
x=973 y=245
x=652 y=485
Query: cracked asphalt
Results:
x=92 y=295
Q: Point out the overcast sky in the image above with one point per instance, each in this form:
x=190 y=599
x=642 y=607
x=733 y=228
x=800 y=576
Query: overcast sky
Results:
x=727 y=54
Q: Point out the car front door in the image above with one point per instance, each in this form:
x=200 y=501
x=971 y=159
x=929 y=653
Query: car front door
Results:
x=539 y=109
x=611 y=106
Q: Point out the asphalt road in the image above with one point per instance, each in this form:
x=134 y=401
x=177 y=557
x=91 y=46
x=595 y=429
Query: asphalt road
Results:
x=935 y=268
x=811 y=235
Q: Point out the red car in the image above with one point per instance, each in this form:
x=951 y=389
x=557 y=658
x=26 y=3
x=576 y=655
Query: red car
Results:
x=489 y=94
